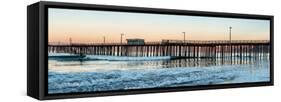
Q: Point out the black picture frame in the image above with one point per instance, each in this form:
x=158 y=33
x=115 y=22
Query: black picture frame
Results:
x=37 y=40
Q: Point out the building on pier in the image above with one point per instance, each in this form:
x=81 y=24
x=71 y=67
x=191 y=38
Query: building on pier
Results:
x=136 y=41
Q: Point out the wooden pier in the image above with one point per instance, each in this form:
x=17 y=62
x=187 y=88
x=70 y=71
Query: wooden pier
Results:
x=188 y=49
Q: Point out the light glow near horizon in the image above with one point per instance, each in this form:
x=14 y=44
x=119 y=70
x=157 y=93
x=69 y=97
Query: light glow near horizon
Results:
x=90 y=26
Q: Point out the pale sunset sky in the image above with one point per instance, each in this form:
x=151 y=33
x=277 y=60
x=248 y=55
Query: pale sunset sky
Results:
x=89 y=26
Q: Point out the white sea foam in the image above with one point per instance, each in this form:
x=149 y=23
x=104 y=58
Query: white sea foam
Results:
x=152 y=78
x=60 y=54
x=125 y=58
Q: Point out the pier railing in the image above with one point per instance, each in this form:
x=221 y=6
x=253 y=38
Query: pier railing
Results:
x=215 y=41
x=164 y=42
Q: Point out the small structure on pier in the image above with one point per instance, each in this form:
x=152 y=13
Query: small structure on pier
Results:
x=135 y=41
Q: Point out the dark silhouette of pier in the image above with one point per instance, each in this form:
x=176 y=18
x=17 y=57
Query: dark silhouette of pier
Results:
x=173 y=48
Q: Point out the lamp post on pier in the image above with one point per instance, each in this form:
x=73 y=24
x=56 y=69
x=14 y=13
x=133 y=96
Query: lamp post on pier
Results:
x=122 y=37
x=230 y=34
x=183 y=37
x=104 y=39
x=230 y=44
x=70 y=41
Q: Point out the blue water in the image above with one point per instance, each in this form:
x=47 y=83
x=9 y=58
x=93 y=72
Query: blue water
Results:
x=67 y=76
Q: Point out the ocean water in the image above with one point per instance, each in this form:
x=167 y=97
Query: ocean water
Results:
x=68 y=74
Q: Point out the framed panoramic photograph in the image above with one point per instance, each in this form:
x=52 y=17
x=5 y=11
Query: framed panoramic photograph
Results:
x=82 y=50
